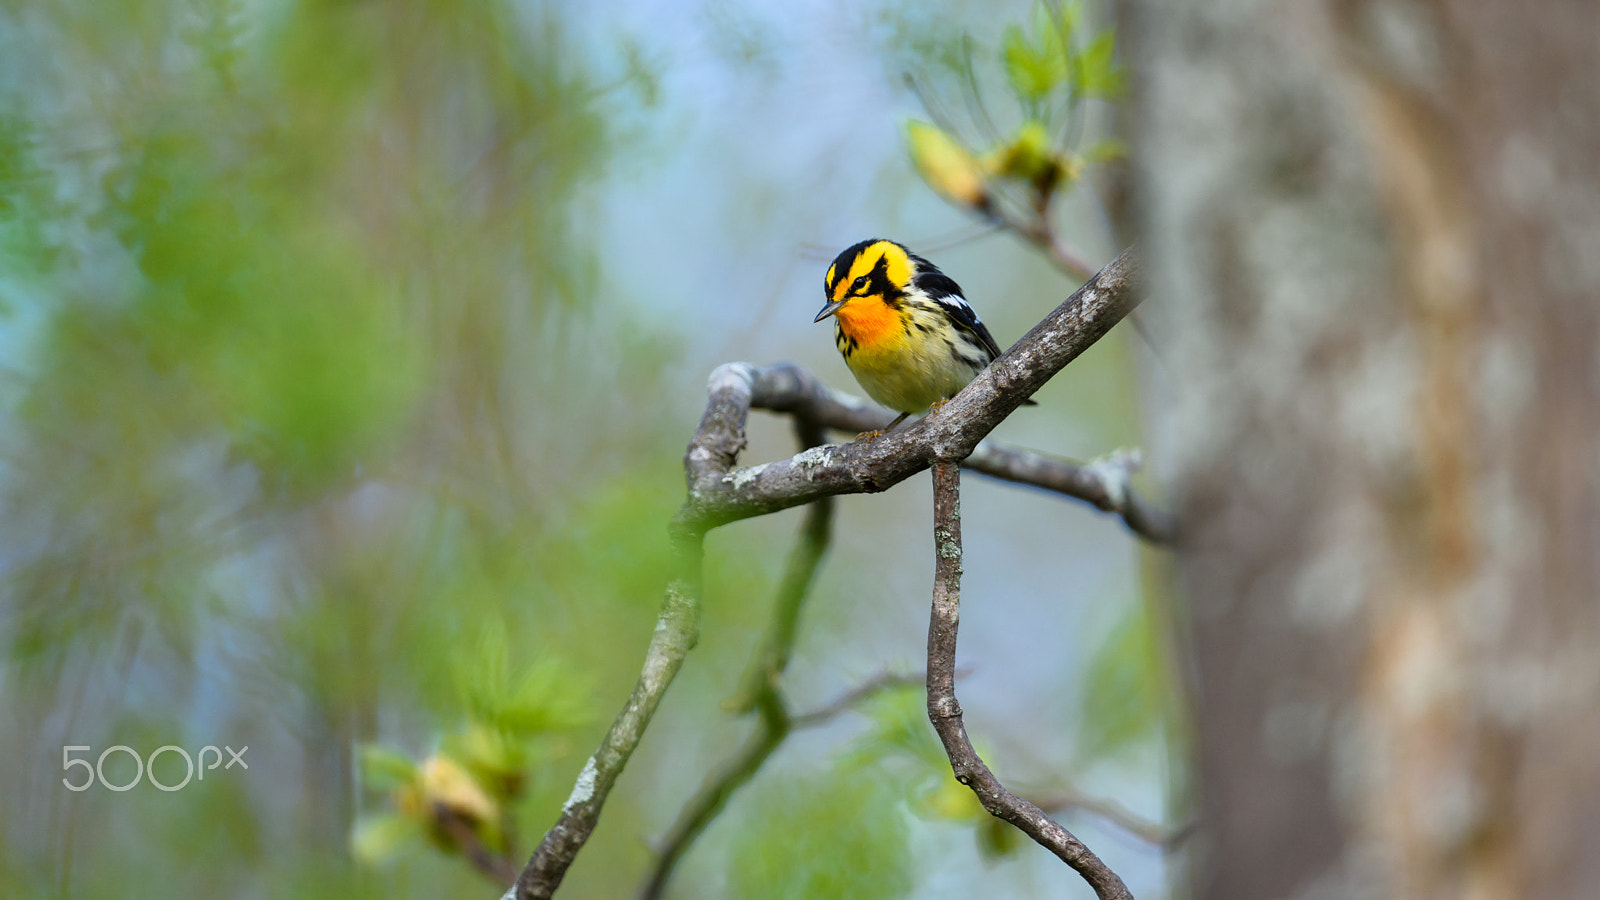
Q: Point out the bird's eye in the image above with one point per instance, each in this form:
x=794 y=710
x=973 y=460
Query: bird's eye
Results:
x=859 y=285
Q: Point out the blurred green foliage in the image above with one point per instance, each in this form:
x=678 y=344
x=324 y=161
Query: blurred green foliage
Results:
x=1049 y=57
x=902 y=746
x=24 y=202
x=831 y=834
x=1050 y=77
x=311 y=439
x=257 y=310
x=271 y=275
x=1124 y=697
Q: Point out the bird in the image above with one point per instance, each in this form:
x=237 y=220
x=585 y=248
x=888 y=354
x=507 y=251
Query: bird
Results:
x=904 y=328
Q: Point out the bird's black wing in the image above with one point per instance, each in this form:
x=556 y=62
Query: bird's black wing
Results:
x=944 y=290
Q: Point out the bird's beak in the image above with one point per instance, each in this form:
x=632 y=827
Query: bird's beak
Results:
x=829 y=310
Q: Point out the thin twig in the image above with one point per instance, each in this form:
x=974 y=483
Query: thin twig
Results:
x=715 y=447
x=491 y=864
x=945 y=712
x=831 y=710
x=1154 y=833
x=1038 y=231
x=1041 y=233
x=677 y=630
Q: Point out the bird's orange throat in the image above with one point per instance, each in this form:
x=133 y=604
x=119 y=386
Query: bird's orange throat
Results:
x=868 y=320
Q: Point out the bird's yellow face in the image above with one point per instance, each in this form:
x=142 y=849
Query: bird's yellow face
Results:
x=864 y=286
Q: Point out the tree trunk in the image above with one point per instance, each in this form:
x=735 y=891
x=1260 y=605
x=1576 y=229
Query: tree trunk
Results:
x=1373 y=231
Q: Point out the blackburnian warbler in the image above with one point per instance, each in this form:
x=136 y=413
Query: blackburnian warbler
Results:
x=906 y=332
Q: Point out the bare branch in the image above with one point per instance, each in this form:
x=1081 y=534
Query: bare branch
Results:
x=791 y=389
x=945 y=712
x=1039 y=232
x=490 y=863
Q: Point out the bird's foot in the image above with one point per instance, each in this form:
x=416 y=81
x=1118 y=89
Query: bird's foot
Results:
x=869 y=435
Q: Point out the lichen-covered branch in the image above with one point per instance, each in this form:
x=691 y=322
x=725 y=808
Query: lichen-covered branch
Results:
x=945 y=712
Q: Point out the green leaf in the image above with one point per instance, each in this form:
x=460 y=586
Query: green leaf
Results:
x=839 y=834
x=539 y=697
x=1033 y=70
x=1055 y=40
x=1028 y=155
x=379 y=839
x=1017 y=57
x=948 y=799
x=945 y=165
x=1062 y=18
x=497 y=760
x=1096 y=71
x=382 y=768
